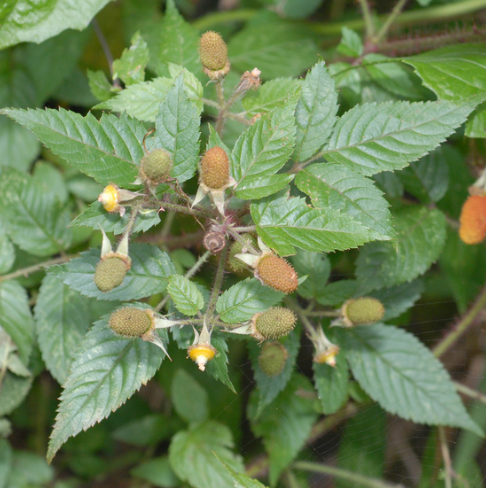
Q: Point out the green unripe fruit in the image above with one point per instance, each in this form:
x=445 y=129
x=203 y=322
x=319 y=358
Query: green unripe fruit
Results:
x=110 y=273
x=363 y=311
x=130 y=322
x=156 y=166
x=237 y=265
x=277 y=273
x=276 y=322
x=213 y=51
x=272 y=358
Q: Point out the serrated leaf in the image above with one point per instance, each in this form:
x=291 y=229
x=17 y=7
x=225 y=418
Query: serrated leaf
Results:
x=130 y=68
x=453 y=72
x=315 y=114
x=476 y=125
x=241 y=480
x=403 y=376
x=350 y=44
x=62 y=319
x=270 y=95
x=332 y=384
x=387 y=136
x=243 y=300
x=7 y=251
x=421 y=236
x=269 y=387
x=263 y=148
x=108 y=150
x=34 y=218
x=13 y=391
x=218 y=366
x=340 y=188
x=337 y=292
x=187 y=298
x=256 y=187
x=107 y=370
x=177 y=42
x=5 y=462
x=16 y=318
x=283 y=223
x=285 y=425
x=95 y=216
x=177 y=130
x=317 y=268
x=428 y=178
x=192 y=455
x=148 y=275
x=35 y=22
x=189 y=398
x=99 y=85
x=276 y=47
x=157 y=472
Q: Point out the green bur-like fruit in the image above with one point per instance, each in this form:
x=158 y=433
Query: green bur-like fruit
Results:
x=110 y=273
x=272 y=358
x=130 y=322
x=156 y=166
x=364 y=311
x=213 y=51
x=237 y=265
x=275 y=322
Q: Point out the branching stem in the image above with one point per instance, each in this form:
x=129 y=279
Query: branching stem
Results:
x=389 y=21
x=218 y=281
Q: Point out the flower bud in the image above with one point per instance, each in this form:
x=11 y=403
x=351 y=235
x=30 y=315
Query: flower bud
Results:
x=110 y=272
x=362 y=311
x=473 y=219
x=276 y=322
x=201 y=354
x=277 y=273
x=155 y=167
x=215 y=170
x=130 y=322
x=213 y=51
x=272 y=358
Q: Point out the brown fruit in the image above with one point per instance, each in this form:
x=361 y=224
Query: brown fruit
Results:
x=215 y=170
x=277 y=273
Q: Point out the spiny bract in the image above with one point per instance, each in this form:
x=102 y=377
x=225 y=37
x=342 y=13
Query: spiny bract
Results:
x=364 y=310
x=272 y=358
x=275 y=322
x=277 y=273
x=130 y=322
x=473 y=220
x=215 y=170
x=156 y=166
x=110 y=273
x=213 y=51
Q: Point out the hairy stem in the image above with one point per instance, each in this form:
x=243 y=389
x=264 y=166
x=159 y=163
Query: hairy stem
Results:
x=446 y=457
x=242 y=230
x=218 y=281
x=343 y=474
x=397 y=9
x=222 y=105
x=36 y=267
x=466 y=321
x=471 y=393
x=198 y=212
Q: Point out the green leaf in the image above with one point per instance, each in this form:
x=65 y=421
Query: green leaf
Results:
x=218 y=367
x=285 y=425
x=315 y=113
x=148 y=430
x=283 y=223
x=177 y=130
x=189 y=398
x=390 y=183
x=337 y=292
x=7 y=251
x=421 y=236
x=130 y=68
x=243 y=300
x=51 y=179
x=61 y=323
x=476 y=125
x=350 y=44
x=5 y=462
x=29 y=470
x=95 y=216
x=108 y=150
x=278 y=48
x=35 y=22
x=332 y=384
x=317 y=268
x=187 y=298
x=270 y=95
x=337 y=187
x=453 y=72
x=157 y=472
x=362 y=448
x=35 y=219
x=148 y=275
x=403 y=376
x=262 y=150
x=14 y=390
x=106 y=371
x=192 y=455
x=387 y=136
x=428 y=178
x=241 y=480
x=16 y=318
x=99 y=85
x=269 y=387
x=177 y=42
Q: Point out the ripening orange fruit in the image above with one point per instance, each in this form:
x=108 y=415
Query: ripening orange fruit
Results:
x=473 y=220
